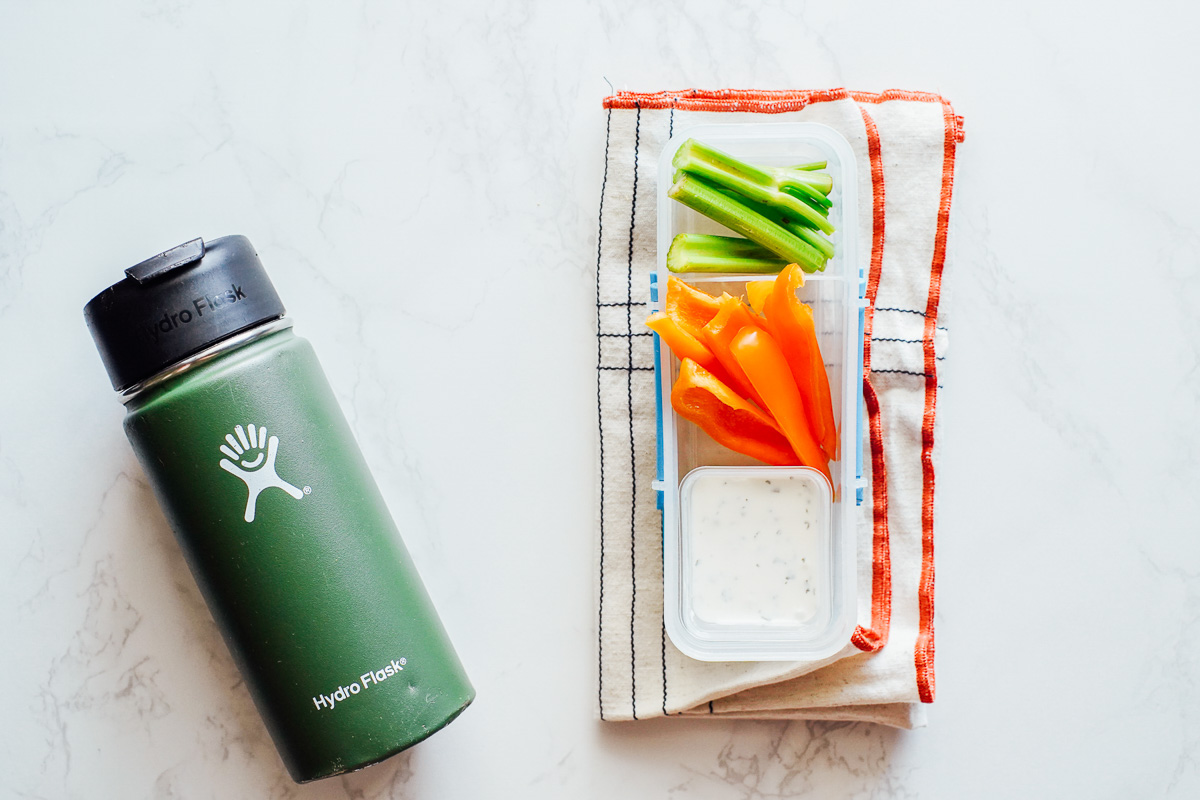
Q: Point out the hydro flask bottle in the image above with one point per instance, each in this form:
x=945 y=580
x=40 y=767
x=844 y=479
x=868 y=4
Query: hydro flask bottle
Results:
x=281 y=523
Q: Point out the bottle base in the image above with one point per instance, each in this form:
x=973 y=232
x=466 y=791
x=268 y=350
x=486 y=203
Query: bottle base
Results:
x=336 y=770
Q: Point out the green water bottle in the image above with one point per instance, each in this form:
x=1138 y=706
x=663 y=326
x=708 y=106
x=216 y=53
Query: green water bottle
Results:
x=283 y=527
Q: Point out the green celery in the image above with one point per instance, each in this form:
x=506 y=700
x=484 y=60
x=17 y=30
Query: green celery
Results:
x=699 y=252
x=810 y=195
x=801 y=192
x=789 y=222
x=707 y=199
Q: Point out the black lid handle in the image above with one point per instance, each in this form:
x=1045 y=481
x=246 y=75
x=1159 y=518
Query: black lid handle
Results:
x=164 y=262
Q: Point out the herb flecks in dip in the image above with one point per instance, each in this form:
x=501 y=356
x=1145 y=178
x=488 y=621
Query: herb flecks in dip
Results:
x=756 y=549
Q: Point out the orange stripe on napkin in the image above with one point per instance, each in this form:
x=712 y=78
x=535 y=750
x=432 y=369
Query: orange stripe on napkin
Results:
x=771 y=101
x=876 y=636
x=925 y=639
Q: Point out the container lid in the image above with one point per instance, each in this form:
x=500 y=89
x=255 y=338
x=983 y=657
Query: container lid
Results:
x=690 y=461
x=178 y=303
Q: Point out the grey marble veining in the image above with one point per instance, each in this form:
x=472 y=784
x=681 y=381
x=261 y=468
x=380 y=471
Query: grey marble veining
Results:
x=421 y=182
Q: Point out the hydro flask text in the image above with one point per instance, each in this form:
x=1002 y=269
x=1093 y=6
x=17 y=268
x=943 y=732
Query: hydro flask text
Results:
x=328 y=701
x=205 y=304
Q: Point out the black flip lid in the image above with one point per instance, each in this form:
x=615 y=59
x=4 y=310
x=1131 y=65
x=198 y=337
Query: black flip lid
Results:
x=177 y=303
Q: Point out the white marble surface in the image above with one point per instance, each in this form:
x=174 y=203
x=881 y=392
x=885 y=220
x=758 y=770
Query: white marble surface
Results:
x=422 y=182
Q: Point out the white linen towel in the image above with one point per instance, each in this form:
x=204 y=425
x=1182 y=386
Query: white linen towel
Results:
x=905 y=145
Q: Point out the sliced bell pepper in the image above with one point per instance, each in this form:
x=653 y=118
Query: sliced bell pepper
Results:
x=756 y=293
x=791 y=324
x=729 y=419
x=685 y=345
x=767 y=368
x=688 y=306
x=681 y=341
x=719 y=332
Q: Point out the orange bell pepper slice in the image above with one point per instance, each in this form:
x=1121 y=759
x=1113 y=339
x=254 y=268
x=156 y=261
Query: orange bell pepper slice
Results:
x=732 y=317
x=681 y=341
x=729 y=419
x=766 y=366
x=791 y=324
x=685 y=345
x=689 y=307
x=757 y=292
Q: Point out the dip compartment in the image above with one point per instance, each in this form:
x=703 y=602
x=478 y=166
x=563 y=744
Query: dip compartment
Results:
x=757 y=615
x=756 y=549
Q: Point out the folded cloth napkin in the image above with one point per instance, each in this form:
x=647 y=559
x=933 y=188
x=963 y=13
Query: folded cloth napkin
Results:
x=905 y=144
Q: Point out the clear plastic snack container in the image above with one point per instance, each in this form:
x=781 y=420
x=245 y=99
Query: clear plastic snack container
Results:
x=759 y=562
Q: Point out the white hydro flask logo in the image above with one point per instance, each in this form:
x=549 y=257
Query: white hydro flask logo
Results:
x=251 y=457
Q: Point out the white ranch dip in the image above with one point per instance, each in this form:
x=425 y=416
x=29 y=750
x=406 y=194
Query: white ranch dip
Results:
x=756 y=555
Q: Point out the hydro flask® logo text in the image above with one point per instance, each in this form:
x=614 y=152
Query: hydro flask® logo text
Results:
x=204 y=304
x=327 y=702
x=251 y=457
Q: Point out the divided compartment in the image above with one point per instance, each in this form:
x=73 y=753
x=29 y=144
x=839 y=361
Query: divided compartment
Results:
x=834 y=297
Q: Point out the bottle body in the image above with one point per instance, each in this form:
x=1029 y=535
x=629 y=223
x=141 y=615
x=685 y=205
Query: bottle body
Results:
x=296 y=554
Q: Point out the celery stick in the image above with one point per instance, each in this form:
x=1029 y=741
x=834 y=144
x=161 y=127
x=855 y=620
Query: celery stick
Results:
x=809 y=194
x=699 y=252
x=704 y=197
x=790 y=223
x=772 y=187
x=821 y=181
x=811 y=165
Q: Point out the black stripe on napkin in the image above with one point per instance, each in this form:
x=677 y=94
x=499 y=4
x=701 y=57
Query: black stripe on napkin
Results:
x=600 y=421
x=637 y=135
